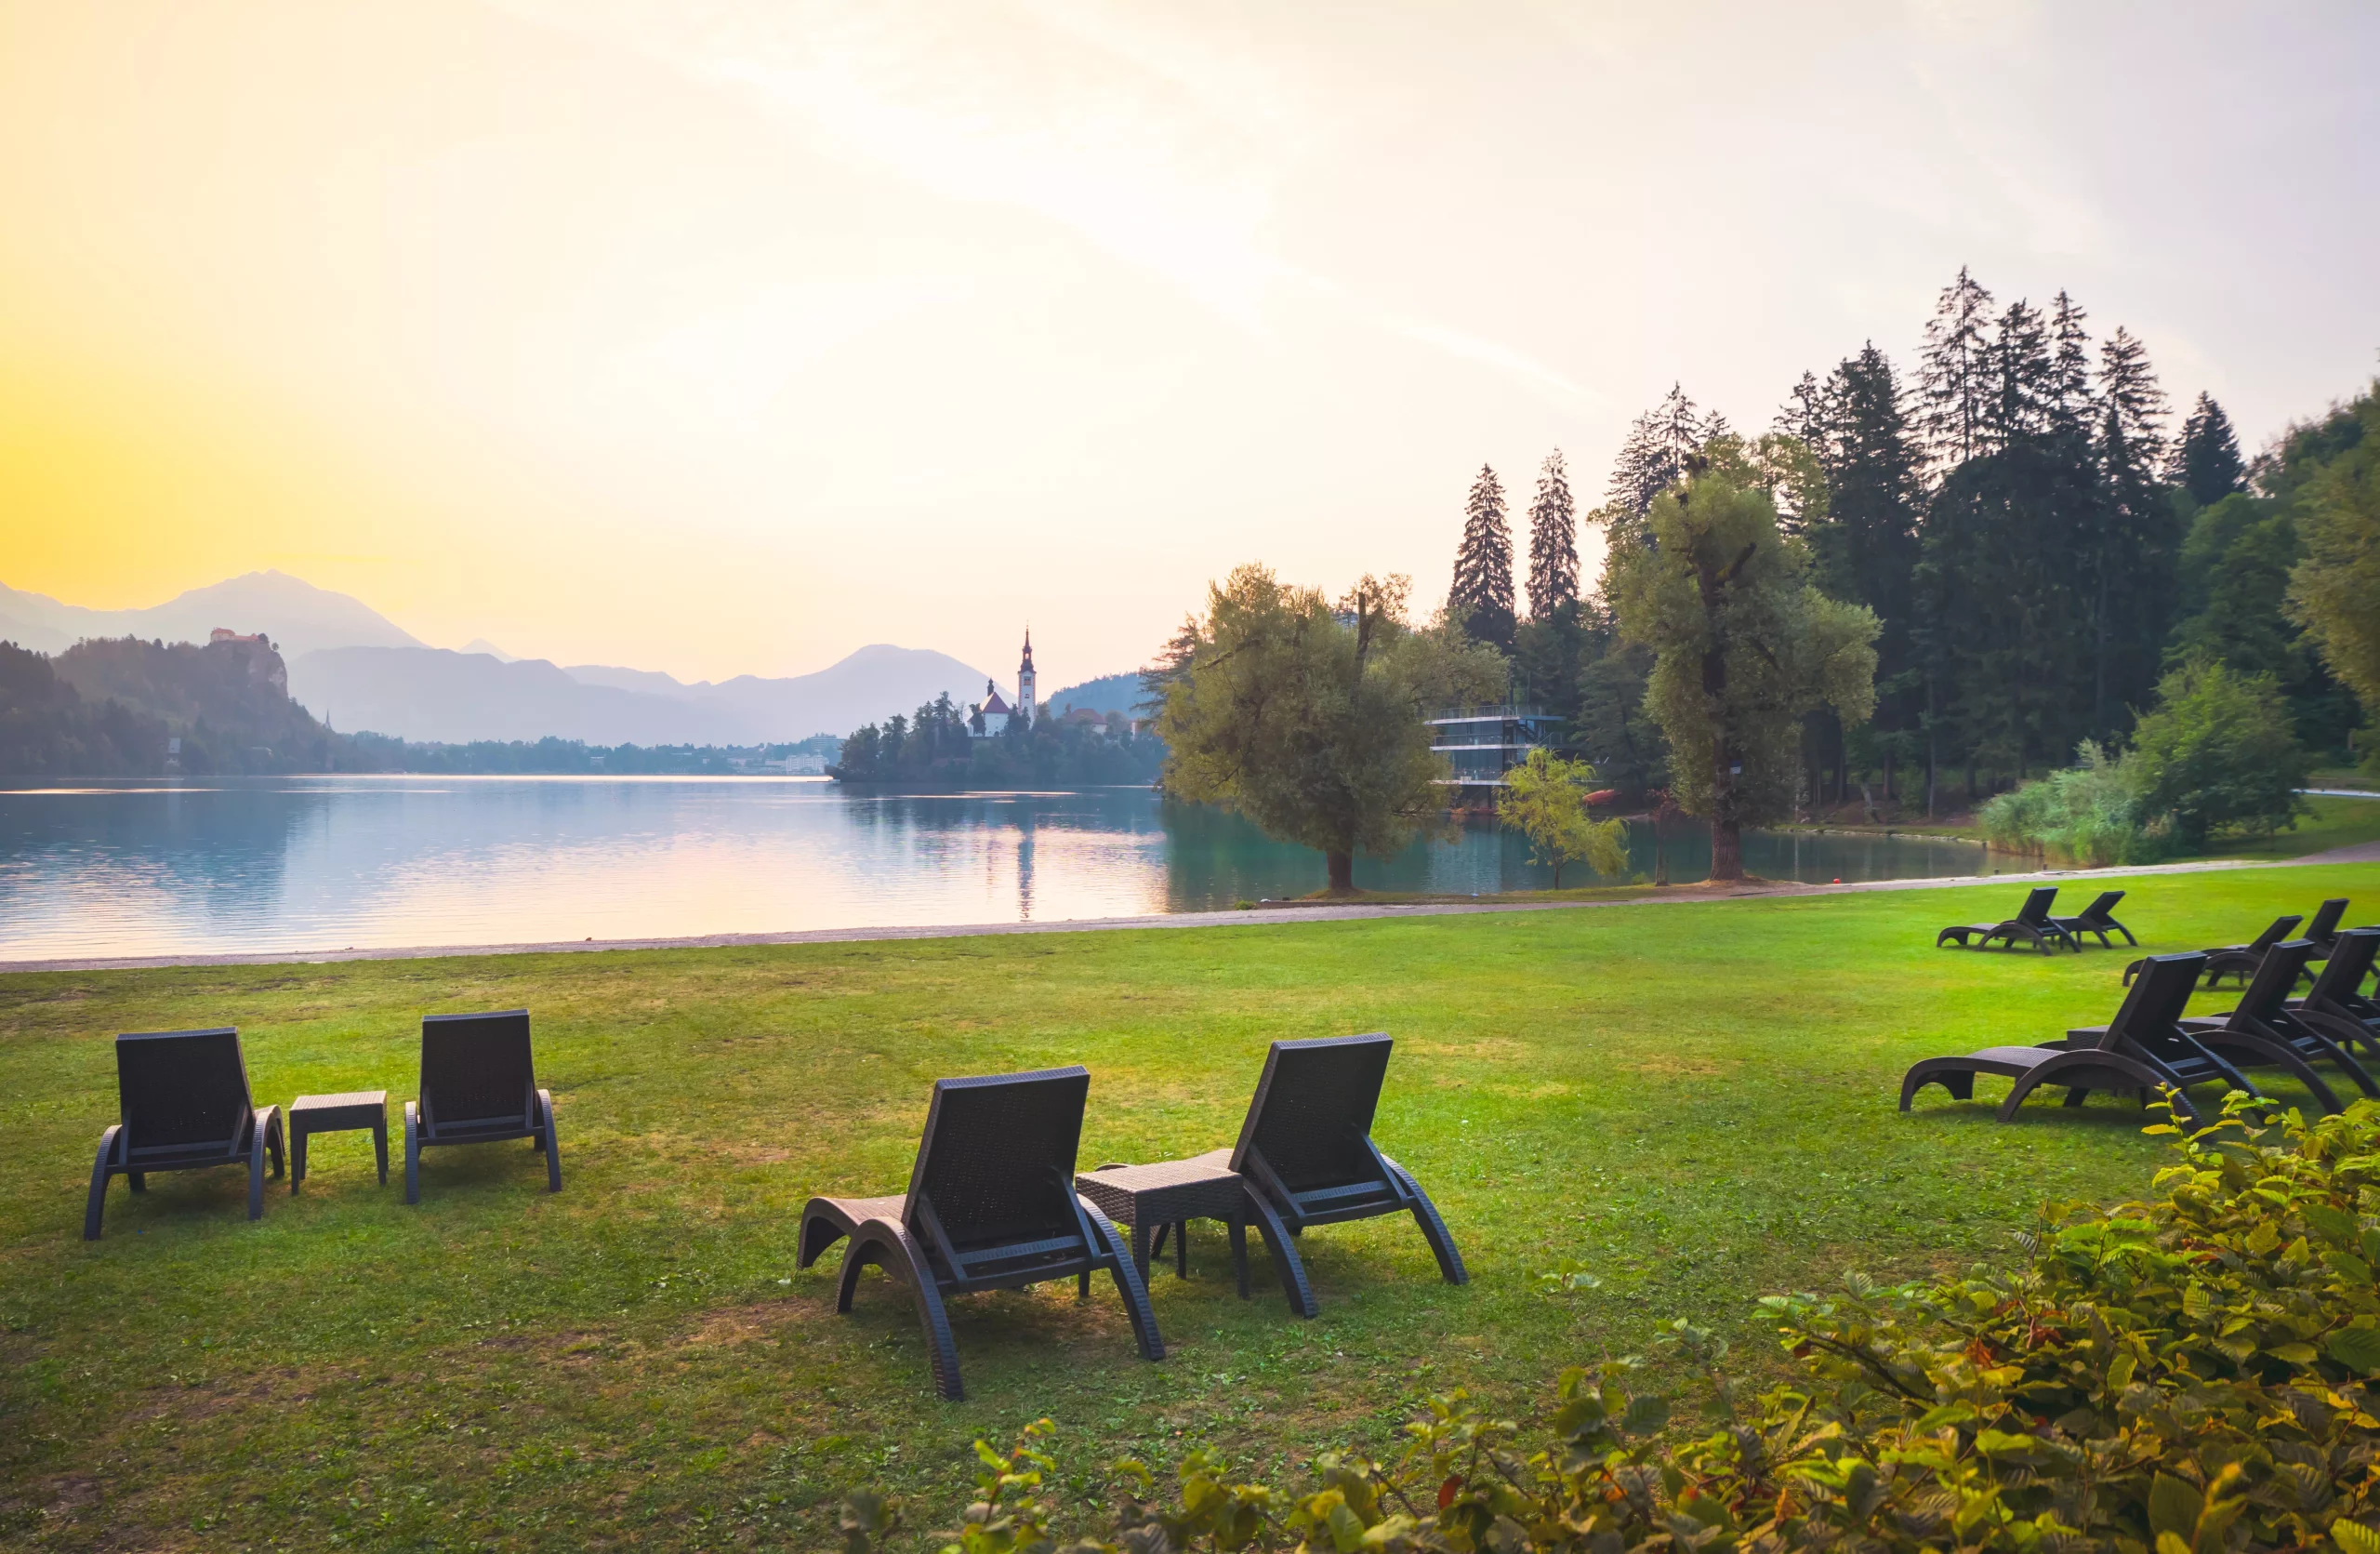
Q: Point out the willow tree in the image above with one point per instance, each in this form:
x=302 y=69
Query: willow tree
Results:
x=1308 y=716
x=1743 y=644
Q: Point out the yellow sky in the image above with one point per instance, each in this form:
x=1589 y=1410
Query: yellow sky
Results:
x=728 y=336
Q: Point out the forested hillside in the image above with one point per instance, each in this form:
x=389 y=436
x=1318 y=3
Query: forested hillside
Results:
x=2039 y=538
x=113 y=707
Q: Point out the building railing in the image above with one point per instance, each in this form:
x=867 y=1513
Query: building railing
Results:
x=1507 y=712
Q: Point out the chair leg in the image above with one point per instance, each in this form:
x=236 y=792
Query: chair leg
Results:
x=1182 y=1249
x=2076 y=1095
x=412 y=1154
x=551 y=1141
x=273 y=1132
x=1130 y=1285
x=1433 y=1230
x=887 y=1246
x=256 y=1170
x=380 y=1149
x=298 y=1137
x=98 y=1200
x=1239 y=1233
x=1284 y=1256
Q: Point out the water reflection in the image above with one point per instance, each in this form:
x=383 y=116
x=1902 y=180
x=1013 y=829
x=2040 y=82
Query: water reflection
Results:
x=277 y=864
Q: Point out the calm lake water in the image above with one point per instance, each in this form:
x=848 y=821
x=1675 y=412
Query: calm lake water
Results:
x=313 y=863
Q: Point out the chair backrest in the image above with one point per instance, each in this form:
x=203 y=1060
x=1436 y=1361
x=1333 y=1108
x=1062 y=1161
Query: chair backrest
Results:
x=2282 y=928
x=2155 y=1001
x=2326 y=920
x=997 y=1157
x=2104 y=907
x=476 y=1070
x=2037 y=904
x=2342 y=976
x=2276 y=978
x=182 y=1090
x=1312 y=1116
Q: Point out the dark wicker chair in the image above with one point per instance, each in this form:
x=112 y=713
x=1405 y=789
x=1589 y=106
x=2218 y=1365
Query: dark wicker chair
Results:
x=2264 y=1033
x=2097 y=918
x=2240 y=960
x=2323 y=931
x=183 y=1104
x=991 y=1205
x=2032 y=924
x=478 y=1086
x=2142 y=1049
x=1306 y=1155
x=2338 y=995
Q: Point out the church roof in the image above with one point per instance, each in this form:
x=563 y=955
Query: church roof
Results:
x=992 y=702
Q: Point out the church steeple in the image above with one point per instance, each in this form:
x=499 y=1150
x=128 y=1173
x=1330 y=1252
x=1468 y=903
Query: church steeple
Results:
x=1024 y=679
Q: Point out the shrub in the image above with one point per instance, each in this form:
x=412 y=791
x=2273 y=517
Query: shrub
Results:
x=2219 y=754
x=1545 y=798
x=2184 y=1376
x=2087 y=814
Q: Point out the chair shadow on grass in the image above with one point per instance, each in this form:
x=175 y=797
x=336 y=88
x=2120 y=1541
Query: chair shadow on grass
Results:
x=2104 y=1111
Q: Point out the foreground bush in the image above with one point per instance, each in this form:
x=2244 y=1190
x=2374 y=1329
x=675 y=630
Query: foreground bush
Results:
x=2185 y=1376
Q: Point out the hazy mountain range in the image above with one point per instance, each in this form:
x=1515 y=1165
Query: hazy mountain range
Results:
x=358 y=670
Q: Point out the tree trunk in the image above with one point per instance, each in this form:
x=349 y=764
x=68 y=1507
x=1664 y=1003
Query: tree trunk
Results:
x=1727 y=850
x=1342 y=869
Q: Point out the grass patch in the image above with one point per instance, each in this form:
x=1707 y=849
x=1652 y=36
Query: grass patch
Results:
x=1698 y=1101
x=2334 y=823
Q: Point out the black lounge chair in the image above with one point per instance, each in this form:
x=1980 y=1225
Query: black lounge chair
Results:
x=183 y=1104
x=991 y=1205
x=478 y=1086
x=2325 y=930
x=2337 y=994
x=2141 y=1050
x=2033 y=925
x=2097 y=918
x=1306 y=1155
x=2240 y=960
x=2264 y=1033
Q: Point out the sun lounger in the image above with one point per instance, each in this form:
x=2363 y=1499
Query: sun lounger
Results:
x=2264 y=1033
x=991 y=1205
x=2141 y=1050
x=2325 y=930
x=2240 y=960
x=182 y=1104
x=478 y=1086
x=2033 y=925
x=1306 y=1156
x=2337 y=995
x=2097 y=918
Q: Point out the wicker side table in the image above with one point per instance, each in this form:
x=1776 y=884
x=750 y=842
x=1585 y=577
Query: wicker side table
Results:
x=1156 y=1200
x=352 y=1109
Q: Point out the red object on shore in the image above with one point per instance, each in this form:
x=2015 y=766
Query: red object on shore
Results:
x=1603 y=795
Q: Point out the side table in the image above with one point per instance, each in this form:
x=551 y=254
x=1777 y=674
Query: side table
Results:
x=1165 y=1197
x=340 y=1113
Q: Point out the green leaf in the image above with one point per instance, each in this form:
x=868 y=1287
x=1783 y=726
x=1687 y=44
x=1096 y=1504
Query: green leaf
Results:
x=1646 y=1413
x=2173 y=1505
x=1346 y=1531
x=2354 y=1537
x=2332 y=1224
x=2356 y=1347
x=1994 y=1442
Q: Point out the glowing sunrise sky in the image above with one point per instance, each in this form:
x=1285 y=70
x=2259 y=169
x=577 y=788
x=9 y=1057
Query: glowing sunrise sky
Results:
x=715 y=336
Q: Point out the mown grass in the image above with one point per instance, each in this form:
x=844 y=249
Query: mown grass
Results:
x=1695 y=1098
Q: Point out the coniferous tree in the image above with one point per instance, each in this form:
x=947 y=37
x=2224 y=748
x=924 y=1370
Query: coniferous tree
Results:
x=1481 y=600
x=2023 y=380
x=2134 y=563
x=1955 y=383
x=1553 y=543
x=1657 y=453
x=2071 y=406
x=2208 y=464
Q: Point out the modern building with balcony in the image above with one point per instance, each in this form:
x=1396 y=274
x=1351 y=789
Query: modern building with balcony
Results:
x=1483 y=743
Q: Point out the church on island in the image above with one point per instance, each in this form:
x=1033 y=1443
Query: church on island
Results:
x=990 y=718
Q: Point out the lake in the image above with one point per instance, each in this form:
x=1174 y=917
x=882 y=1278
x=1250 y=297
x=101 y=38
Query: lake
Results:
x=274 y=864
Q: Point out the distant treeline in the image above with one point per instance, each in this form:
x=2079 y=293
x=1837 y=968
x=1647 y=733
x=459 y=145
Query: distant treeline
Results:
x=935 y=750
x=124 y=707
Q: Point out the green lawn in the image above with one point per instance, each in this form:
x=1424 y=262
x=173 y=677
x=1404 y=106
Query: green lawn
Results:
x=2334 y=823
x=1697 y=1099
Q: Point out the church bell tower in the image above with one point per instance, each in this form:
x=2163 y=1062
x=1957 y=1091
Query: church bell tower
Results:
x=1024 y=679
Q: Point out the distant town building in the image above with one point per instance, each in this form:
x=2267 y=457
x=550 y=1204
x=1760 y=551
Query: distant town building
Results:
x=1483 y=743
x=225 y=633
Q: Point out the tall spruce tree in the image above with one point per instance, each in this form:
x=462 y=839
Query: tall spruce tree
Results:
x=2070 y=406
x=2023 y=385
x=2208 y=464
x=2139 y=540
x=1481 y=600
x=1660 y=445
x=1553 y=543
x=1955 y=383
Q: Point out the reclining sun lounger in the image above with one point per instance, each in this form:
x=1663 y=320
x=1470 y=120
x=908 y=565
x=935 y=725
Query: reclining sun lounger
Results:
x=2097 y=918
x=2142 y=1049
x=2239 y=959
x=1306 y=1156
x=2264 y=1033
x=182 y=1104
x=2337 y=993
x=2325 y=930
x=2033 y=925
x=991 y=1205
x=478 y=1086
